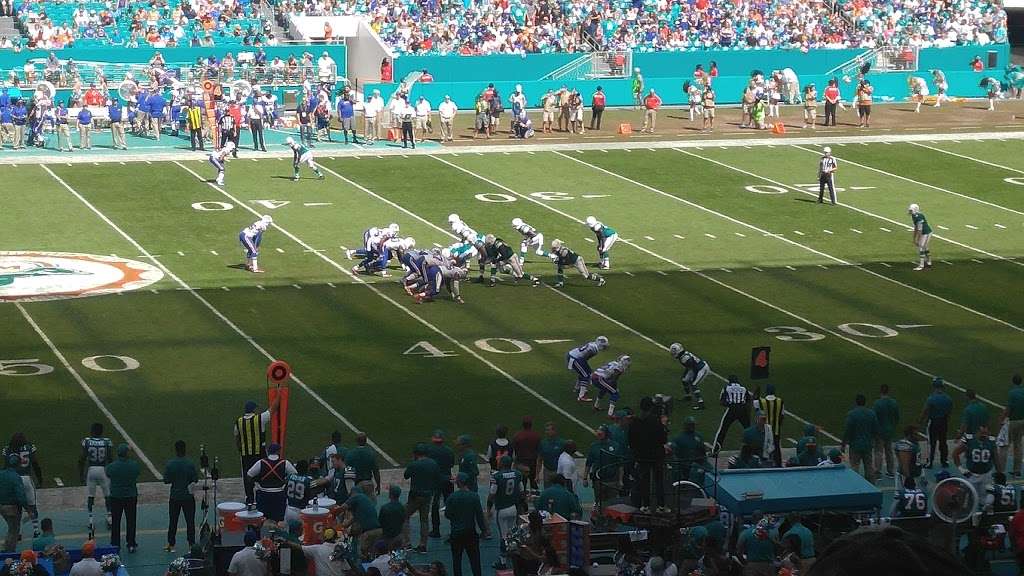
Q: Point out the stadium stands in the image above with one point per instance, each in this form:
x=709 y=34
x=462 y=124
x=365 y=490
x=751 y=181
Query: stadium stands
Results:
x=532 y=26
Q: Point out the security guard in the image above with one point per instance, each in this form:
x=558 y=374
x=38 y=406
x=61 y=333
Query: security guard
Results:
x=250 y=439
x=63 y=132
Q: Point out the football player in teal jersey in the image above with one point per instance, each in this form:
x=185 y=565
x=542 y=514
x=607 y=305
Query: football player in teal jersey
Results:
x=27 y=465
x=922 y=234
x=606 y=238
x=505 y=497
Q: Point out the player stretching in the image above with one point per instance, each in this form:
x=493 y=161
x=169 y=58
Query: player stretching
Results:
x=531 y=237
x=219 y=157
x=500 y=254
x=606 y=380
x=97 y=452
x=251 y=236
x=922 y=234
x=563 y=257
x=302 y=155
x=606 y=238
x=578 y=361
x=695 y=371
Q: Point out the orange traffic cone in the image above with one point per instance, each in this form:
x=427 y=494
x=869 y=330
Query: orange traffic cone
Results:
x=779 y=128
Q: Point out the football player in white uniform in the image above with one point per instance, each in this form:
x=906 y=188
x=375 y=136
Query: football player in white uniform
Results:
x=250 y=237
x=606 y=380
x=220 y=157
x=578 y=360
x=531 y=238
x=694 y=371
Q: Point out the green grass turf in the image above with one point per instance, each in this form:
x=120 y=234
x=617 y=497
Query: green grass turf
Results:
x=674 y=211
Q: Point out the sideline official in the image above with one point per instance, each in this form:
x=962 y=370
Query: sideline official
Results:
x=250 y=439
x=737 y=401
x=827 y=176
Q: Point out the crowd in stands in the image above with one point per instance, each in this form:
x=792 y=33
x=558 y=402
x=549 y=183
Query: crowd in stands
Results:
x=528 y=26
x=48 y=25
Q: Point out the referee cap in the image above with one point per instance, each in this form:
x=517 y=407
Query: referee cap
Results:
x=828 y=150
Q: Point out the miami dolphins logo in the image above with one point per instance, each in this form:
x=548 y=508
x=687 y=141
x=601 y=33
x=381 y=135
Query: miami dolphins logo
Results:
x=32 y=276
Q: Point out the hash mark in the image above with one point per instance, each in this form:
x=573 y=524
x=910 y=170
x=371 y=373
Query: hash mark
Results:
x=214 y=252
x=798 y=233
x=588 y=239
x=791 y=268
x=884 y=264
x=280 y=251
x=649 y=238
x=822 y=266
x=758 y=269
x=331 y=285
x=260 y=286
x=827 y=231
x=1000 y=226
x=662 y=272
x=971 y=227
x=225 y=288
x=946 y=262
x=725 y=270
x=941 y=227
x=976 y=260
x=154 y=290
x=627 y=273
x=712 y=236
x=180 y=253
x=855 y=230
x=296 y=286
x=884 y=229
x=740 y=234
x=436 y=245
x=680 y=237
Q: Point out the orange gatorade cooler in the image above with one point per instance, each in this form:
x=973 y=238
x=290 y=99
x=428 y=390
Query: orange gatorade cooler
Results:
x=314 y=520
x=250 y=519
x=231 y=528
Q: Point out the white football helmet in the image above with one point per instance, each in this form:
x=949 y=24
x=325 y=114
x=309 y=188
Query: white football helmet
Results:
x=675 y=349
x=556 y=244
x=446 y=253
x=624 y=362
x=453 y=218
x=458 y=227
x=602 y=342
x=489 y=239
x=393 y=227
x=229 y=145
x=289 y=141
x=591 y=221
x=267 y=218
x=408 y=243
x=913 y=208
x=517 y=222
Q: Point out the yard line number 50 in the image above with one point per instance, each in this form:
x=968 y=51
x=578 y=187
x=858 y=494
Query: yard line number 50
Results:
x=100 y=363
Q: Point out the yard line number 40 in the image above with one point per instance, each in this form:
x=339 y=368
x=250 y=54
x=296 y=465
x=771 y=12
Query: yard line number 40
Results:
x=100 y=363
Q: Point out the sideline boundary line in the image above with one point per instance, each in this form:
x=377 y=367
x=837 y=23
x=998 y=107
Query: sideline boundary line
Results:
x=916 y=182
x=582 y=304
x=359 y=280
x=783 y=238
x=89 y=391
x=736 y=142
x=143 y=251
x=971 y=158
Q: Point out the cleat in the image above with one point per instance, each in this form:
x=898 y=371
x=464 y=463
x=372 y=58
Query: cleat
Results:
x=257 y=271
x=536 y=282
x=168 y=548
x=587 y=399
x=918 y=268
x=601 y=282
x=492 y=283
x=348 y=254
x=559 y=284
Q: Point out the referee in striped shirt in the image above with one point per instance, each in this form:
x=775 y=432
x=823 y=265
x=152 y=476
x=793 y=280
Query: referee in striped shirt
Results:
x=737 y=401
x=827 y=176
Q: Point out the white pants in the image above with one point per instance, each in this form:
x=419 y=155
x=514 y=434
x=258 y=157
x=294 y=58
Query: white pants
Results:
x=694 y=378
x=97 y=476
x=506 y=519
x=537 y=241
x=981 y=483
x=30 y=490
x=922 y=241
x=307 y=159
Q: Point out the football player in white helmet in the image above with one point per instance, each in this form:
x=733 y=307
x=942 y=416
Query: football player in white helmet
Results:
x=301 y=155
x=694 y=371
x=606 y=380
x=922 y=235
x=578 y=360
x=531 y=238
x=250 y=237
x=218 y=158
x=606 y=238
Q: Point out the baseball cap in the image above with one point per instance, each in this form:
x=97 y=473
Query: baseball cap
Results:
x=437 y=435
x=465 y=440
x=250 y=406
x=395 y=491
x=273 y=448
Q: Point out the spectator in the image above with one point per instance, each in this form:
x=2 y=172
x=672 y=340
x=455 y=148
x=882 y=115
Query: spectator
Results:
x=124 y=496
x=245 y=562
x=180 y=472
x=386 y=71
x=887 y=411
x=647 y=439
x=548 y=104
x=798 y=530
x=556 y=499
x=30 y=565
x=887 y=550
x=977 y=65
x=88 y=565
x=936 y=412
x=526 y=449
x=832 y=98
x=637 y=84
x=445 y=459
x=46 y=538
x=566 y=467
x=465 y=515
x=974 y=415
x=757 y=544
x=391 y=517
x=371 y=114
x=550 y=449
x=361 y=520
x=425 y=477
x=860 y=434
x=1014 y=412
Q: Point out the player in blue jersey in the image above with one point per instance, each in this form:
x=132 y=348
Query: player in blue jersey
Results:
x=445 y=277
x=578 y=360
x=606 y=238
x=606 y=380
x=218 y=158
x=694 y=371
x=250 y=237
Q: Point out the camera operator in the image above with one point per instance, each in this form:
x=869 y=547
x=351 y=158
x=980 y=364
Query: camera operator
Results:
x=647 y=438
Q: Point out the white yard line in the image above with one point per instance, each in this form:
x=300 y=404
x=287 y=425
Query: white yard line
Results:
x=775 y=307
x=917 y=182
x=395 y=303
x=88 y=390
x=829 y=256
x=184 y=286
x=971 y=158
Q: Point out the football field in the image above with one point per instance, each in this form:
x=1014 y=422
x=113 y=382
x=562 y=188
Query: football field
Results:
x=722 y=248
